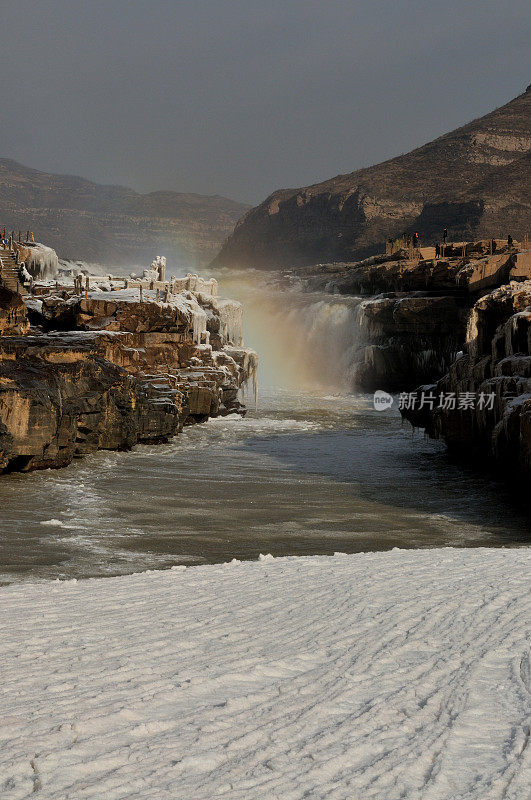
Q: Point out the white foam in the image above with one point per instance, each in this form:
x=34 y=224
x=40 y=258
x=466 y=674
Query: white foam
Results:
x=57 y=523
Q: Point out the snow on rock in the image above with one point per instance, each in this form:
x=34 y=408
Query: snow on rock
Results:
x=392 y=675
x=33 y=304
x=151 y=274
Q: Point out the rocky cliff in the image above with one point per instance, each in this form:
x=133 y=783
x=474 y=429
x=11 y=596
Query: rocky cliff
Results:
x=412 y=307
x=474 y=180
x=482 y=406
x=13 y=315
x=113 y=224
x=106 y=371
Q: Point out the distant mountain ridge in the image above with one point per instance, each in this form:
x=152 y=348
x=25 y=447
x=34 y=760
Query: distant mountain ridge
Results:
x=475 y=180
x=88 y=221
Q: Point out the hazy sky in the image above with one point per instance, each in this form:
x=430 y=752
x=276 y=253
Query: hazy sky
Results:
x=240 y=97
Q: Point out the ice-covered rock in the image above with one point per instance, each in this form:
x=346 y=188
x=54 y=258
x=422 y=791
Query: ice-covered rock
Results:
x=142 y=358
x=495 y=373
x=159 y=266
x=41 y=261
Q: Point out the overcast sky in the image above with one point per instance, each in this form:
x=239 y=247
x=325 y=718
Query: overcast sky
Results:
x=241 y=97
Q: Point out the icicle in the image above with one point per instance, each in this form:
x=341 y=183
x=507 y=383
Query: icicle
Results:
x=41 y=261
x=230 y=313
x=254 y=377
x=199 y=324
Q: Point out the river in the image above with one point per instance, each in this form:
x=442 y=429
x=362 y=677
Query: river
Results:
x=312 y=469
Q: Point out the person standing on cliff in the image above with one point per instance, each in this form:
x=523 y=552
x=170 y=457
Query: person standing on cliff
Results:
x=415 y=240
x=445 y=235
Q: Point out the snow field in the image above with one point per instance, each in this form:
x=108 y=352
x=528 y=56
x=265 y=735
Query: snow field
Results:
x=403 y=674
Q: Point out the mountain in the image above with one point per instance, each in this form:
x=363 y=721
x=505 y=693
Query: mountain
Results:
x=87 y=221
x=475 y=180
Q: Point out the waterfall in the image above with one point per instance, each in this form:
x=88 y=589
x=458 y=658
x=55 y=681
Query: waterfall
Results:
x=323 y=338
x=304 y=340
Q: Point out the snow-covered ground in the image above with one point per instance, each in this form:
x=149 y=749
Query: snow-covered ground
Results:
x=392 y=675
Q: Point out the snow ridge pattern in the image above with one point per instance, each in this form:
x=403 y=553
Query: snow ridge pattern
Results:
x=403 y=674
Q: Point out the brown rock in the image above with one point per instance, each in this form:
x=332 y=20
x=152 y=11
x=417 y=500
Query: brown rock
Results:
x=64 y=394
x=13 y=316
x=498 y=366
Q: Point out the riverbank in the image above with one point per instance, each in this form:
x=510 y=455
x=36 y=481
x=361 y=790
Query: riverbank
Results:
x=482 y=407
x=407 y=674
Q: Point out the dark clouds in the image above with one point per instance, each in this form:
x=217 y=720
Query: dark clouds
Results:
x=240 y=97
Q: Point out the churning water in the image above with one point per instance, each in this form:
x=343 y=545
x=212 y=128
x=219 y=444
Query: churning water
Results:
x=310 y=471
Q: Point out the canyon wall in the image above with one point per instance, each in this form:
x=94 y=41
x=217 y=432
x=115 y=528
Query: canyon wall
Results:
x=107 y=371
x=412 y=307
x=482 y=405
x=474 y=180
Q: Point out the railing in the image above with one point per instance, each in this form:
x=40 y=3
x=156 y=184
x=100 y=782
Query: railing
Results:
x=407 y=243
x=12 y=241
x=13 y=236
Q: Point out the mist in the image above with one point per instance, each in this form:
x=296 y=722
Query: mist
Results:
x=306 y=341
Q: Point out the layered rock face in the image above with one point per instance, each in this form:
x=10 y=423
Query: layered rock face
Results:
x=482 y=406
x=410 y=339
x=415 y=322
x=469 y=266
x=113 y=224
x=117 y=372
x=474 y=180
x=62 y=400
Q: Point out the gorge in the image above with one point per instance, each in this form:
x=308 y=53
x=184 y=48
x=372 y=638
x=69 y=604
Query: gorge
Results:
x=313 y=469
x=393 y=322
x=135 y=359
x=388 y=323
x=264 y=471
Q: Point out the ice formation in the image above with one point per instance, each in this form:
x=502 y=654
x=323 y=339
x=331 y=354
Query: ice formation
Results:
x=199 y=320
x=159 y=267
x=41 y=261
x=378 y=675
x=195 y=284
x=231 y=317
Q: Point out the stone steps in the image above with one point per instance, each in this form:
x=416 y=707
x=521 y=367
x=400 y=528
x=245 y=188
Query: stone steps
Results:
x=9 y=272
